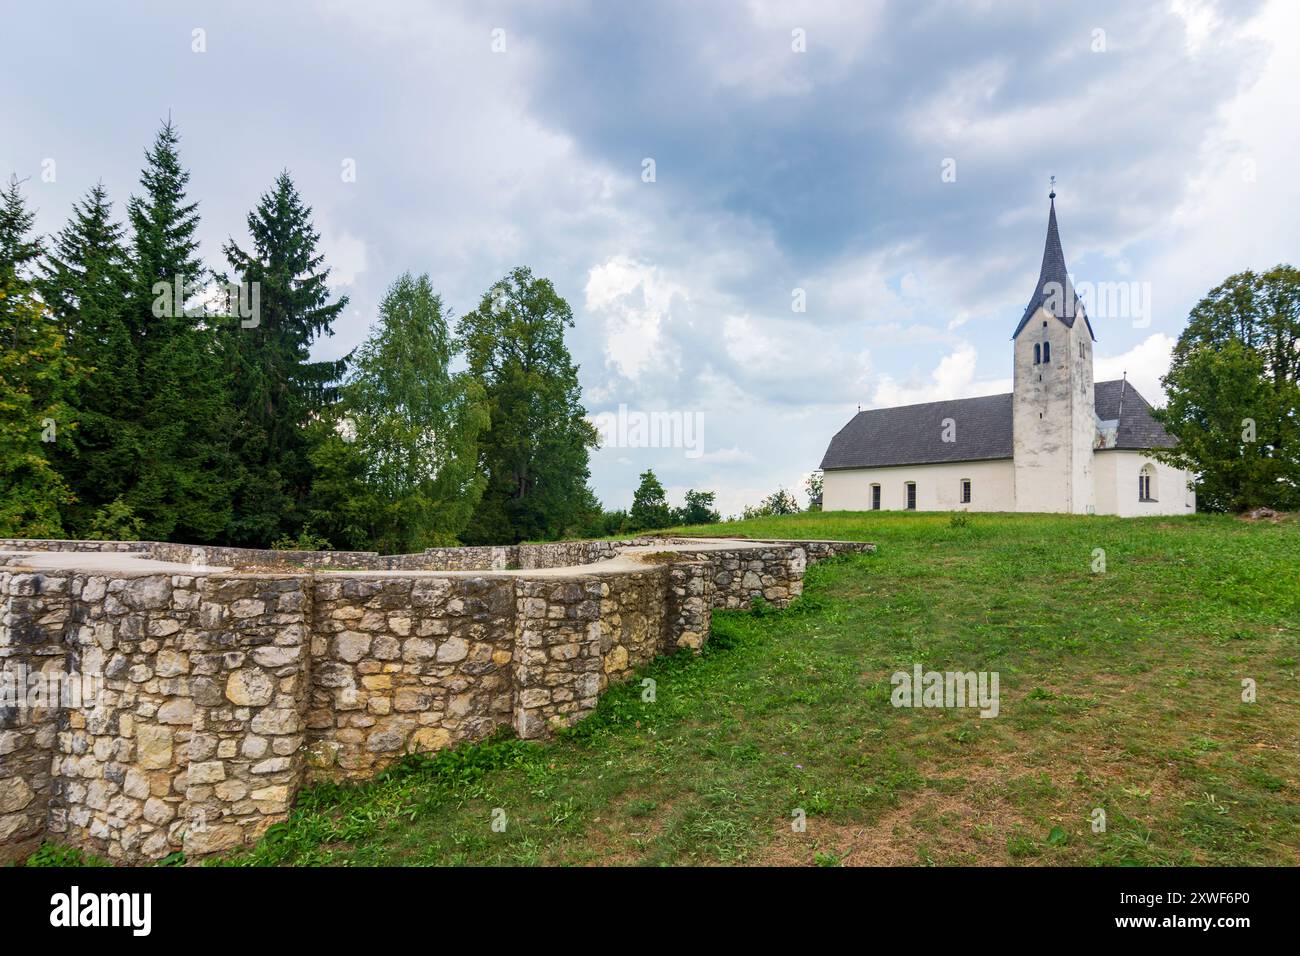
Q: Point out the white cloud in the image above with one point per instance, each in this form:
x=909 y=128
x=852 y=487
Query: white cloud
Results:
x=1145 y=363
x=727 y=456
x=953 y=377
x=346 y=256
x=633 y=299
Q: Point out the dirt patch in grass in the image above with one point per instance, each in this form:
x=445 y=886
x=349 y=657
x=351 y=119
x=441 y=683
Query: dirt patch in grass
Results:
x=970 y=826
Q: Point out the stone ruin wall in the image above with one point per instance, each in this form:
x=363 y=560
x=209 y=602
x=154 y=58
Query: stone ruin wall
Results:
x=193 y=734
x=224 y=692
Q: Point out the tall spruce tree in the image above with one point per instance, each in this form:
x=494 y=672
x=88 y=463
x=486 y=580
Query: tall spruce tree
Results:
x=535 y=451
x=86 y=282
x=278 y=390
x=19 y=251
x=649 y=505
x=34 y=417
x=35 y=376
x=182 y=491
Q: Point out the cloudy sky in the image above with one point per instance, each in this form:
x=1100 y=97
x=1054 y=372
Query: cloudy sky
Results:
x=847 y=205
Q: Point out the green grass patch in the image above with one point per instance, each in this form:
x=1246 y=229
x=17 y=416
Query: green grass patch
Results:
x=1120 y=692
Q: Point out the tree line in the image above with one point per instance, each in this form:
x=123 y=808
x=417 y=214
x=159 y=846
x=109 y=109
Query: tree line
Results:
x=147 y=395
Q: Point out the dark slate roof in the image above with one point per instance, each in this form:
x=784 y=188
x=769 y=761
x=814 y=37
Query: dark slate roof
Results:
x=1053 y=279
x=913 y=434
x=1137 y=429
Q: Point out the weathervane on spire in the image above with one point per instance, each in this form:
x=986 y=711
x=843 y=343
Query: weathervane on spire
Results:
x=1052 y=194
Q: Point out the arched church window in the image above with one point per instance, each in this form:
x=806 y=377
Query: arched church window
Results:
x=1047 y=352
x=1147 y=489
x=1038 y=354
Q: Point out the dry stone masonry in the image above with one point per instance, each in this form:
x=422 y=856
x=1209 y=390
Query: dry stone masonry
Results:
x=164 y=697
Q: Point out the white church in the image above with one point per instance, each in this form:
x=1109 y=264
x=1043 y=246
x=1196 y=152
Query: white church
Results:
x=1058 y=442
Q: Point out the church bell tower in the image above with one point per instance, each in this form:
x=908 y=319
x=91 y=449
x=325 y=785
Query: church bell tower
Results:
x=1053 y=413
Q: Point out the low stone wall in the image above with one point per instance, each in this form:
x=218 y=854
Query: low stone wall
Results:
x=62 y=544
x=522 y=557
x=206 y=555
x=181 y=730
x=249 y=673
x=217 y=694
x=406 y=663
x=770 y=571
x=467 y=559
x=32 y=610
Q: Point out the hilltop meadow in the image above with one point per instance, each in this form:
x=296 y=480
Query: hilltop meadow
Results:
x=1121 y=690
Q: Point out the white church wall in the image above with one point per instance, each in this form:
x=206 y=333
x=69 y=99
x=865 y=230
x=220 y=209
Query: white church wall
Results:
x=938 y=487
x=1103 y=470
x=1173 y=496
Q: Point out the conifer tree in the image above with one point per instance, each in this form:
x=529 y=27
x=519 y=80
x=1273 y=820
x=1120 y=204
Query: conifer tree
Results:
x=278 y=389
x=87 y=283
x=19 y=251
x=34 y=378
x=183 y=488
x=35 y=375
x=650 y=505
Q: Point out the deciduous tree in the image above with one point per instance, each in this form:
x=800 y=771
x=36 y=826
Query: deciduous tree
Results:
x=535 y=450
x=1234 y=393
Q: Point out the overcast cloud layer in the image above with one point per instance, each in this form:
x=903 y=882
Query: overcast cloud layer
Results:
x=895 y=171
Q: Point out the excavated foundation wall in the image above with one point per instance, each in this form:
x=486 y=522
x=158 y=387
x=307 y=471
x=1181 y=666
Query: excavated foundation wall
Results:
x=192 y=706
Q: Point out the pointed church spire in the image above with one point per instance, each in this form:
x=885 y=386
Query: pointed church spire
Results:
x=1054 y=291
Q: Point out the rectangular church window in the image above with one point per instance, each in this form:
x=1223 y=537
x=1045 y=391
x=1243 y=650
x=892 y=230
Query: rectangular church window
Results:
x=911 y=496
x=875 y=497
x=965 y=491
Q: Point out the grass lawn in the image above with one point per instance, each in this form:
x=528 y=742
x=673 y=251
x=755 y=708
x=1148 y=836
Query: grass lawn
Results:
x=1120 y=690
